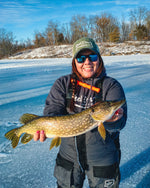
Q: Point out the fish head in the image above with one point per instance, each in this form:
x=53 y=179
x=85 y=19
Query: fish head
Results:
x=104 y=110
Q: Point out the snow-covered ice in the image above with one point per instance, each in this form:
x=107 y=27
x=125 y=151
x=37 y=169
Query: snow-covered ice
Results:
x=24 y=85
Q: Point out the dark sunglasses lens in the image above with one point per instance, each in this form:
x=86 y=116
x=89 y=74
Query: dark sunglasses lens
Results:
x=93 y=57
x=81 y=59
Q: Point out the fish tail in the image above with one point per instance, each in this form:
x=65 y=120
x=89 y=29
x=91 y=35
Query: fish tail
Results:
x=13 y=136
x=26 y=138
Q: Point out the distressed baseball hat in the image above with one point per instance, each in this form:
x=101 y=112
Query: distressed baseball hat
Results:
x=84 y=43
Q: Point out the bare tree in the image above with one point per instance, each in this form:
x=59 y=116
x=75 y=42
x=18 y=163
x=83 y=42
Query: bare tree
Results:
x=106 y=24
x=67 y=33
x=137 y=15
x=29 y=43
x=6 y=43
x=92 y=27
x=125 y=30
x=78 y=27
x=39 y=40
x=147 y=24
x=137 y=19
x=51 y=33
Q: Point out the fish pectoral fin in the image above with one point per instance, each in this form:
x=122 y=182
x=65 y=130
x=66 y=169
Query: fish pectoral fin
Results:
x=102 y=131
x=26 y=138
x=55 y=142
x=13 y=136
x=25 y=118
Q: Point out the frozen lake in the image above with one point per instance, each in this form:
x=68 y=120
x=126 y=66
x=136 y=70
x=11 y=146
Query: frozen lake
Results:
x=24 y=85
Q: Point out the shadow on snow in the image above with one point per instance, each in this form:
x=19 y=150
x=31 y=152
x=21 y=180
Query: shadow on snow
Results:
x=135 y=164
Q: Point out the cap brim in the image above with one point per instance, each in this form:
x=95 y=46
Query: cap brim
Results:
x=82 y=50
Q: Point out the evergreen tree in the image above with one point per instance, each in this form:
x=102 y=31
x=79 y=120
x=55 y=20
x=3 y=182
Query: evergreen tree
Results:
x=114 y=36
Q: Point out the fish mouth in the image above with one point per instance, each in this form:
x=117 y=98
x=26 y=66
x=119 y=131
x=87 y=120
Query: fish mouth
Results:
x=118 y=104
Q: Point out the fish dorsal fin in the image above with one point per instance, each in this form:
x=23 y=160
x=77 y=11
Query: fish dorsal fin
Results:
x=55 y=142
x=25 y=118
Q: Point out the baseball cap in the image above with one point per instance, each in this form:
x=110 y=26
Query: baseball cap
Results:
x=85 y=43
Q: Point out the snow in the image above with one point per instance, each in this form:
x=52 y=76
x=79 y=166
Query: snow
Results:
x=24 y=85
x=106 y=49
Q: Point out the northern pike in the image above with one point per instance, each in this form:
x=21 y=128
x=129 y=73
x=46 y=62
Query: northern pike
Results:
x=64 y=126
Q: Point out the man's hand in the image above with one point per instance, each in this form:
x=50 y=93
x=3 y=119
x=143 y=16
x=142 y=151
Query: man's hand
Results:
x=39 y=135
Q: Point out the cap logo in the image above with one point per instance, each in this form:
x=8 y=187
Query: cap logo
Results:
x=83 y=44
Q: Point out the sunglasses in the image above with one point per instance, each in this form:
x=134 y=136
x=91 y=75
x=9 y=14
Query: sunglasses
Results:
x=82 y=58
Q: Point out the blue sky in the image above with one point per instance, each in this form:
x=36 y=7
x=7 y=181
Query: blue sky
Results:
x=24 y=17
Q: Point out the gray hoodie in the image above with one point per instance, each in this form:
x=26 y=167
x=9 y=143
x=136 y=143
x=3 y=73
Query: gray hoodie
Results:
x=90 y=147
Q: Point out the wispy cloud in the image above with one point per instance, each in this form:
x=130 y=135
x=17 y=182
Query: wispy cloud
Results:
x=18 y=13
x=127 y=2
x=12 y=14
x=86 y=4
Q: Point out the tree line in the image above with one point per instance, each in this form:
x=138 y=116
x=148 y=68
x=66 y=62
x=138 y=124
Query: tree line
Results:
x=103 y=28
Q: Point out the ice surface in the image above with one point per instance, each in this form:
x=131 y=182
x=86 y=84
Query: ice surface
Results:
x=24 y=85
